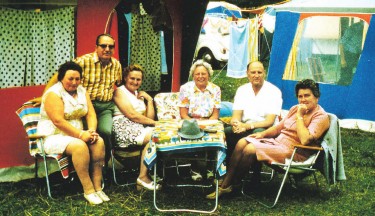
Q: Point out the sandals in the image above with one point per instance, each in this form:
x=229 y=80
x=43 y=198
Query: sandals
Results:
x=96 y=198
x=196 y=176
x=102 y=196
x=93 y=198
x=221 y=191
x=149 y=186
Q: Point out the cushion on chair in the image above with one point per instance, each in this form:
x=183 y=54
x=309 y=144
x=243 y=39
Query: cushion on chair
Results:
x=226 y=109
x=167 y=106
x=305 y=164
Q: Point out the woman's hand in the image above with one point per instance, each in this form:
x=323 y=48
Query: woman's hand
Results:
x=302 y=110
x=89 y=136
x=258 y=135
x=144 y=95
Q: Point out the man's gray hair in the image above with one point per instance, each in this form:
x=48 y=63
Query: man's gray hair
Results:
x=200 y=62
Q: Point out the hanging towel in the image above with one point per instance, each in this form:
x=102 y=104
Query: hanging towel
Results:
x=128 y=17
x=164 y=68
x=238 y=49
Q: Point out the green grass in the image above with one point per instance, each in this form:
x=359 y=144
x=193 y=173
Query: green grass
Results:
x=355 y=196
x=228 y=85
x=352 y=197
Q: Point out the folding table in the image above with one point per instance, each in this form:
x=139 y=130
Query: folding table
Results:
x=165 y=141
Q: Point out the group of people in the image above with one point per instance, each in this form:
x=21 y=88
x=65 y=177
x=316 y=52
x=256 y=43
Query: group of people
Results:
x=81 y=109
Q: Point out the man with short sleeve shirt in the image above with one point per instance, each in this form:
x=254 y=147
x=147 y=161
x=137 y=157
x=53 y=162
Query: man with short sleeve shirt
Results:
x=256 y=106
x=100 y=73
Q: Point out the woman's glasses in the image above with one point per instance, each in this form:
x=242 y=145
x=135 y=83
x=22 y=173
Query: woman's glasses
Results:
x=103 y=46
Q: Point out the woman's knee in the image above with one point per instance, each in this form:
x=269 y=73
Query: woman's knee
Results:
x=249 y=150
x=77 y=147
x=98 y=148
x=241 y=144
x=147 y=138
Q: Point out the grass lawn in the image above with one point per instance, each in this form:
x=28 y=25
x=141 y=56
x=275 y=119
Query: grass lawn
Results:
x=355 y=196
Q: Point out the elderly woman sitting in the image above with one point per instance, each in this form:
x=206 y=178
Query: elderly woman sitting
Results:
x=200 y=99
x=305 y=124
x=62 y=109
x=133 y=119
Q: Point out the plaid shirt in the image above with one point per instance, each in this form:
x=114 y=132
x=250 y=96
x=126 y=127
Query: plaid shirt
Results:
x=99 y=81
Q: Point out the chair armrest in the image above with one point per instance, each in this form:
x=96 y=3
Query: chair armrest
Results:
x=309 y=147
x=36 y=136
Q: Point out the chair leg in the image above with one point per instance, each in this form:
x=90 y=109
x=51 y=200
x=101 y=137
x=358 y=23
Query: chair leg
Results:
x=316 y=181
x=47 y=178
x=114 y=172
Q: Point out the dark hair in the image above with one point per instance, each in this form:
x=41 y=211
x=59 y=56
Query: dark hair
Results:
x=308 y=84
x=103 y=35
x=130 y=68
x=70 y=65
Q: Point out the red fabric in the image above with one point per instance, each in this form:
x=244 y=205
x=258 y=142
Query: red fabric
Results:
x=14 y=144
x=175 y=10
x=92 y=16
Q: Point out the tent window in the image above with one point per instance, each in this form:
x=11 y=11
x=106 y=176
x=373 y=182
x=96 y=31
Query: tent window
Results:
x=326 y=49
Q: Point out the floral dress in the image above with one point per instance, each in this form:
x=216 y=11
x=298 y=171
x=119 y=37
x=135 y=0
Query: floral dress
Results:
x=126 y=131
x=200 y=103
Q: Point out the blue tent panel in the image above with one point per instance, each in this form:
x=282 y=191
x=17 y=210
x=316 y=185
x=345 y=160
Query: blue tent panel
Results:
x=355 y=101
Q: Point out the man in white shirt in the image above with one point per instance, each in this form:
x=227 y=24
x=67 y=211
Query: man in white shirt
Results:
x=256 y=106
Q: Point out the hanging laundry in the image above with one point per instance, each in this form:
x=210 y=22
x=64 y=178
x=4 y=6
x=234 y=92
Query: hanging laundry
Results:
x=145 y=49
x=164 y=67
x=128 y=17
x=253 y=39
x=238 y=49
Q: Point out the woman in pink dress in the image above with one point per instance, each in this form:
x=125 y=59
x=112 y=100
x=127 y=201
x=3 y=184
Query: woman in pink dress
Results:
x=305 y=124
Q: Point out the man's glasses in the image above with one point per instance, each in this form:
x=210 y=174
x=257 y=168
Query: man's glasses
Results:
x=103 y=46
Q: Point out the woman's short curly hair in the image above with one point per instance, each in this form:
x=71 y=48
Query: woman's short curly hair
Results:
x=308 y=84
x=128 y=69
x=200 y=62
x=69 y=65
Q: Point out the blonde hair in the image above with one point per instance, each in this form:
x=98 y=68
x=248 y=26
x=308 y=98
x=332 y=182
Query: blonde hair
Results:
x=200 y=62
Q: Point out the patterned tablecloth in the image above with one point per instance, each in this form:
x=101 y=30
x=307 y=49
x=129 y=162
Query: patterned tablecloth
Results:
x=165 y=140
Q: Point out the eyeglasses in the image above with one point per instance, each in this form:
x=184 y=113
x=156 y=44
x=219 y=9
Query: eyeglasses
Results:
x=103 y=46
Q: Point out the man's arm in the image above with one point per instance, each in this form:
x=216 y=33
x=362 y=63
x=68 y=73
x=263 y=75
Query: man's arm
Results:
x=38 y=100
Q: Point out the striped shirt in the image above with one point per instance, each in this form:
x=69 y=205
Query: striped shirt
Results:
x=99 y=81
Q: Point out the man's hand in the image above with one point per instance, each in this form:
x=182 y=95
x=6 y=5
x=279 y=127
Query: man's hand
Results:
x=238 y=127
x=36 y=101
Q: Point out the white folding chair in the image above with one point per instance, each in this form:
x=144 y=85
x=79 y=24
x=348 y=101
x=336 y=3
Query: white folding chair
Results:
x=291 y=167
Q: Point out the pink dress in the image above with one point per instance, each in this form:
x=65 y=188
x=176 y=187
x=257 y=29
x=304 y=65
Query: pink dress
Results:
x=281 y=147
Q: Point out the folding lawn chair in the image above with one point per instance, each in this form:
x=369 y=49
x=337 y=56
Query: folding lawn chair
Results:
x=299 y=169
x=129 y=154
x=30 y=116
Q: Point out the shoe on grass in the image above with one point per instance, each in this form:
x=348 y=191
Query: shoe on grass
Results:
x=221 y=191
x=196 y=176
